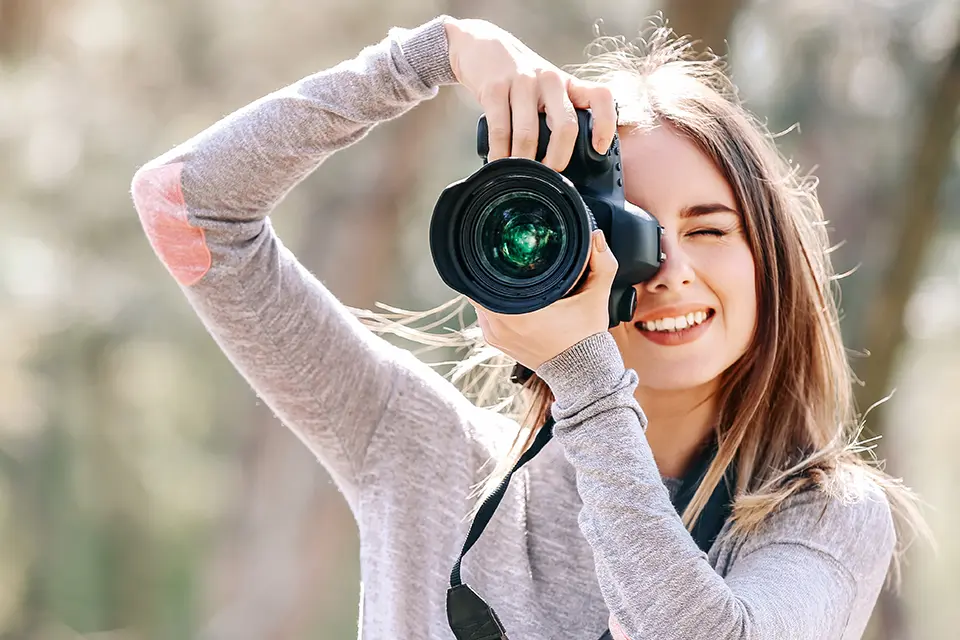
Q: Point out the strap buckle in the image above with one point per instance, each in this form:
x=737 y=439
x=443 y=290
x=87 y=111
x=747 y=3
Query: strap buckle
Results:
x=470 y=617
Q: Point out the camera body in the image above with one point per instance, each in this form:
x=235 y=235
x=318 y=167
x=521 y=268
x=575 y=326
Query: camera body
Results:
x=515 y=235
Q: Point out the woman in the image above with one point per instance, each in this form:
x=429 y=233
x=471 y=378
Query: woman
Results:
x=735 y=340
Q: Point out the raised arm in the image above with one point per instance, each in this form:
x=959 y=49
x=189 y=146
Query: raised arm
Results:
x=204 y=208
x=813 y=572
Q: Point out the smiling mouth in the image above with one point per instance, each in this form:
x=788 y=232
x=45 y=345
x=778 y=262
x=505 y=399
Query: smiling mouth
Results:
x=675 y=324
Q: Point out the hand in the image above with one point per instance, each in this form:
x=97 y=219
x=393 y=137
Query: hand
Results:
x=513 y=84
x=533 y=338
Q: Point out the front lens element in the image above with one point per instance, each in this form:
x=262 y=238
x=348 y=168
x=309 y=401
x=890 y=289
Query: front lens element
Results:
x=521 y=236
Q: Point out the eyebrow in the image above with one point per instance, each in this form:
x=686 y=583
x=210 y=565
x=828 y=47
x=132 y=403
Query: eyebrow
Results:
x=706 y=209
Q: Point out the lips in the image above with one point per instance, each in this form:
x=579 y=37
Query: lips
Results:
x=674 y=336
x=674 y=318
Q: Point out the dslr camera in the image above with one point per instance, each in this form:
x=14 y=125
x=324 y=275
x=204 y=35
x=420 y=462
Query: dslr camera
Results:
x=515 y=236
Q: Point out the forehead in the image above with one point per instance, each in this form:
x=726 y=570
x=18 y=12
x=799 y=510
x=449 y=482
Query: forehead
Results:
x=664 y=171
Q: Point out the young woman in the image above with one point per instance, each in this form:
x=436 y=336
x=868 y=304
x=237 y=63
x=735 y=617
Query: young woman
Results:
x=735 y=342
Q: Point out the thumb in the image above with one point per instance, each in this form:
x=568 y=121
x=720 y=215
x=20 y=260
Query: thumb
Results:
x=603 y=264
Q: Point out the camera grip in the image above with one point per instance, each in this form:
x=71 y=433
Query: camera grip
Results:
x=583 y=151
x=621 y=305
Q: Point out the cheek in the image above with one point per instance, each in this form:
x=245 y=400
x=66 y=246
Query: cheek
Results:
x=741 y=276
x=730 y=271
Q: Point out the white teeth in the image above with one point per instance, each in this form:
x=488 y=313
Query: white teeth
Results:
x=675 y=324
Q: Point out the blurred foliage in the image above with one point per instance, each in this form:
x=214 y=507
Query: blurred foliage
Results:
x=144 y=491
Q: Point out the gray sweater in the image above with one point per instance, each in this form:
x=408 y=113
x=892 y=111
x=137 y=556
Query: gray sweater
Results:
x=587 y=530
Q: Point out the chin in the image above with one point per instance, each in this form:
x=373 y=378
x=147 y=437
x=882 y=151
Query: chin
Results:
x=675 y=376
x=665 y=369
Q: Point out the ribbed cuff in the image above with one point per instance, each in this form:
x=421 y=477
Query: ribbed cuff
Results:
x=426 y=50
x=589 y=368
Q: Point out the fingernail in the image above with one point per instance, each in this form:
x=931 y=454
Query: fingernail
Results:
x=600 y=241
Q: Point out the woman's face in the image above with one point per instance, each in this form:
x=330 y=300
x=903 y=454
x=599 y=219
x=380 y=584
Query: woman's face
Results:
x=696 y=317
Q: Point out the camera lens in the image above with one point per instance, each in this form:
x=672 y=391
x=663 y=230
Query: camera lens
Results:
x=520 y=237
x=513 y=237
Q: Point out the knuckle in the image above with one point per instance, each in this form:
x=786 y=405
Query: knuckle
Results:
x=524 y=136
x=602 y=92
x=568 y=127
x=499 y=132
x=551 y=75
x=526 y=78
x=498 y=88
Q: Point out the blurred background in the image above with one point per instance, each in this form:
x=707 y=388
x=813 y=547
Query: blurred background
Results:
x=146 y=493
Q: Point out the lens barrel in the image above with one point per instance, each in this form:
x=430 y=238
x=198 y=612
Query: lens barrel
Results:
x=514 y=237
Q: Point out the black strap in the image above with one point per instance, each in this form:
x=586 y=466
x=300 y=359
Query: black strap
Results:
x=491 y=502
x=471 y=618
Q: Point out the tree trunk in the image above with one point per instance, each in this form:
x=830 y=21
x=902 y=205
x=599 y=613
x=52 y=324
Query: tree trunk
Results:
x=884 y=332
x=20 y=26
x=706 y=21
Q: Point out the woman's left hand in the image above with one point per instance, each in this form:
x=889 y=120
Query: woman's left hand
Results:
x=533 y=338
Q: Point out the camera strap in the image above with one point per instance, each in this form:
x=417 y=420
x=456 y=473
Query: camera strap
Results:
x=471 y=618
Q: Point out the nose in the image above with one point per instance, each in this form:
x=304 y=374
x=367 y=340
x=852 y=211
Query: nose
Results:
x=676 y=271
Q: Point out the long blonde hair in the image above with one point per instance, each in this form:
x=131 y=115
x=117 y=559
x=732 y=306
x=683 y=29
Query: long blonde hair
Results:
x=787 y=414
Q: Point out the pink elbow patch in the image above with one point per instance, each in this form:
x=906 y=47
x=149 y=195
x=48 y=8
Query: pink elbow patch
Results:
x=616 y=632
x=181 y=247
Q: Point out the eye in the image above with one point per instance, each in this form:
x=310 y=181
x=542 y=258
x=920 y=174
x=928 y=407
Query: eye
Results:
x=717 y=233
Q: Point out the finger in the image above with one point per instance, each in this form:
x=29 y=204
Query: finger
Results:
x=479 y=308
x=561 y=119
x=599 y=99
x=524 y=100
x=496 y=105
x=603 y=264
x=484 y=323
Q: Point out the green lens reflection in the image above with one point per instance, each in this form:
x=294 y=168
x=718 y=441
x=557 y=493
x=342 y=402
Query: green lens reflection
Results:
x=521 y=235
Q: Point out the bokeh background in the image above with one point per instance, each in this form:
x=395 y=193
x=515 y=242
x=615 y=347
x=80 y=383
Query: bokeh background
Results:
x=146 y=493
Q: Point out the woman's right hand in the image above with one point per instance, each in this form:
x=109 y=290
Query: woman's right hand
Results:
x=514 y=84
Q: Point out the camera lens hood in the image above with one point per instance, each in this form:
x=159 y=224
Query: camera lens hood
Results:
x=457 y=244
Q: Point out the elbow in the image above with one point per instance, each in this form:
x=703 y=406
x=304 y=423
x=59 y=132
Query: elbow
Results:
x=158 y=198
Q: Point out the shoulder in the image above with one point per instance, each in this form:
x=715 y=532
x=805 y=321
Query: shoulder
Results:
x=851 y=521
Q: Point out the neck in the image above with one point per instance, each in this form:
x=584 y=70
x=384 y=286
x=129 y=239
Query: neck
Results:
x=678 y=423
